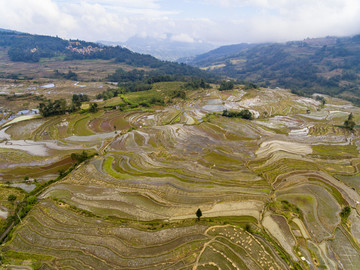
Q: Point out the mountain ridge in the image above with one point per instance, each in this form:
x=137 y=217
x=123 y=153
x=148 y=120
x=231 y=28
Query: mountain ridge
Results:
x=329 y=65
x=23 y=47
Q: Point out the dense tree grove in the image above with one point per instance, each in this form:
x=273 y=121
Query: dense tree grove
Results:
x=226 y=85
x=78 y=99
x=50 y=108
x=245 y=114
x=70 y=75
x=30 y=48
x=109 y=93
x=79 y=157
x=59 y=106
x=93 y=107
x=196 y=83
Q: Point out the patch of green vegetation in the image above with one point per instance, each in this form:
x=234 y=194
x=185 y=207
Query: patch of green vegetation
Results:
x=209 y=116
x=16 y=255
x=218 y=158
x=146 y=97
x=335 y=151
x=174 y=118
x=285 y=208
x=81 y=126
x=7 y=195
x=168 y=87
x=345 y=213
x=244 y=114
x=108 y=168
x=350 y=123
x=227 y=85
x=80 y=157
x=156 y=225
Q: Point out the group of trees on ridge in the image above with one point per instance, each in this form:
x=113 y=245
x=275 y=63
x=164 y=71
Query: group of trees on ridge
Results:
x=245 y=114
x=60 y=106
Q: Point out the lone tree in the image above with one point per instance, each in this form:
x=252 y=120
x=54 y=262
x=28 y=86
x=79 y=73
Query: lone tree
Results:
x=198 y=213
x=349 y=123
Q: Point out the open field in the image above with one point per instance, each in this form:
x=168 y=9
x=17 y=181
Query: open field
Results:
x=271 y=189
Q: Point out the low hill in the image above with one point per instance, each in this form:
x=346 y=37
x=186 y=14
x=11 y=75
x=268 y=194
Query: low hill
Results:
x=328 y=65
x=218 y=54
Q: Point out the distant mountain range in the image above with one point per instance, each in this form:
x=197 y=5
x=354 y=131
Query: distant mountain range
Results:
x=167 y=48
x=328 y=65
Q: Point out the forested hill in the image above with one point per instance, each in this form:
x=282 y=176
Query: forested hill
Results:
x=327 y=65
x=22 y=47
x=217 y=55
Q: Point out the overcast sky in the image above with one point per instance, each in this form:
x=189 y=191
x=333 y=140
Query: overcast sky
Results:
x=216 y=21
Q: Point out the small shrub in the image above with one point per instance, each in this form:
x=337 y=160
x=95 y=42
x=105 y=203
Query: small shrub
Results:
x=31 y=200
x=345 y=213
x=11 y=198
x=248 y=228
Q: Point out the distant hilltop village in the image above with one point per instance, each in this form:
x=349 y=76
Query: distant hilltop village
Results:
x=73 y=47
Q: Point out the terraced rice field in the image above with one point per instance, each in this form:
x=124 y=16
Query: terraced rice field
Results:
x=271 y=189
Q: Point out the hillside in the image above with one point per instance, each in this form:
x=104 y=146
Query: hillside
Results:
x=280 y=191
x=217 y=55
x=325 y=65
x=26 y=48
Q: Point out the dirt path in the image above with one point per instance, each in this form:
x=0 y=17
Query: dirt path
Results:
x=207 y=243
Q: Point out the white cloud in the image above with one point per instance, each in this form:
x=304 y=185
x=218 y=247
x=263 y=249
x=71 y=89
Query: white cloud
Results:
x=42 y=15
x=282 y=20
x=117 y=20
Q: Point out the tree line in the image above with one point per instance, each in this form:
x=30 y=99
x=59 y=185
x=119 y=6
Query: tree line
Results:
x=60 y=106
